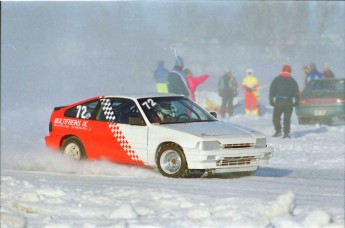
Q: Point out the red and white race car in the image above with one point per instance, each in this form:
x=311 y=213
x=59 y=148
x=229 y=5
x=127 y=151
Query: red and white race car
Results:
x=168 y=131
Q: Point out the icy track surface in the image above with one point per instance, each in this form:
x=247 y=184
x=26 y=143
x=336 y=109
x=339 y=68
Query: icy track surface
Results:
x=302 y=187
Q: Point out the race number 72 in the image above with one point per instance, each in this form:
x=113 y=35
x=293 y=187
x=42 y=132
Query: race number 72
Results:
x=149 y=103
x=81 y=111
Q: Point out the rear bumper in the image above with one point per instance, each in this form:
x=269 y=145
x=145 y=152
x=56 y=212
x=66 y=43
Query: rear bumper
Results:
x=320 y=111
x=228 y=160
x=52 y=141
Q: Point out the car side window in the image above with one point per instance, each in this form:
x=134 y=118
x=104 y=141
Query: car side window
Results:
x=82 y=111
x=120 y=110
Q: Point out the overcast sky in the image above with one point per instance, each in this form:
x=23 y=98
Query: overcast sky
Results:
x=55 y=53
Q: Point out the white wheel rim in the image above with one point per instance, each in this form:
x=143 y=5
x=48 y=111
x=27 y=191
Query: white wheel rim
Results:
x=73 y=150
x=170 y=162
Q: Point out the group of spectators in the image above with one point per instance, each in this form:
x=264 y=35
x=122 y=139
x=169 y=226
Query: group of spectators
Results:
x=283 y=90
x=310 y=72
x=179 y=80
x=283 y=94
x=228 y=89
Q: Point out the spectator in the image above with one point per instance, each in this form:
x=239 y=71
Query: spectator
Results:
x=306 y=71
x=313 y=74
x=227 y=89
x=177 y=82
x=161 y=77
x=194 y=81
x=327 y=72
x=283 y=95
x=250 y=85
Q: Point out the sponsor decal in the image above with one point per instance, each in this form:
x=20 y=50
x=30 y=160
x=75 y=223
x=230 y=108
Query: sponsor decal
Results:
x=71 y=123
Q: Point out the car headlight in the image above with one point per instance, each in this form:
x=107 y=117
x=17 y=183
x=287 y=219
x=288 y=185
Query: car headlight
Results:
x=208 y=145
x=260 y=142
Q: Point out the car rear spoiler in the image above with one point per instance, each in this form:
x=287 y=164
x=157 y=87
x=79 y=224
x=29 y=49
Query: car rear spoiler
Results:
x=58 y=108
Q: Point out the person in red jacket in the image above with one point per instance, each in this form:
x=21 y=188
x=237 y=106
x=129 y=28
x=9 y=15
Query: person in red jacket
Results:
x=194 y=81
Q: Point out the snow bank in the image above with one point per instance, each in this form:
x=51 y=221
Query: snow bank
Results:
x=44 y=202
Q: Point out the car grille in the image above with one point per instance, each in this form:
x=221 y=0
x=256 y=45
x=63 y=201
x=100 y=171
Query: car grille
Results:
x=237 y=145
x=234 y=161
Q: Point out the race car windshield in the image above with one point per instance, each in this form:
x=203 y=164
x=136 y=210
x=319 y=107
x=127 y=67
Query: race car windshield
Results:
x=170 y=110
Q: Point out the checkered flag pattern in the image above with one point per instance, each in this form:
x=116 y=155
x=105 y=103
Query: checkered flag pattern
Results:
x=108 y=112
x=115 y=129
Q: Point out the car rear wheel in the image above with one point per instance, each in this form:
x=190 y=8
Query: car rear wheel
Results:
x=74 y=148
x=172 y=162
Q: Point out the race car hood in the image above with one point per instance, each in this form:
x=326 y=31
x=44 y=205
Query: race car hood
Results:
x=214 y=128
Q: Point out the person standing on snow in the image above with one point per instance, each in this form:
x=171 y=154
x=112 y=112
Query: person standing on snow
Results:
x=227 y=89
x=194 y=81
x=283 y=96
x=161 y=77
x=306 y=71
x=177 y=82
x=327 y=72
x=313 y=74
x=250 y=85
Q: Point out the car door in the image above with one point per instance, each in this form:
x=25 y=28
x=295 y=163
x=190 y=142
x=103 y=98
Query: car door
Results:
x=112 y=135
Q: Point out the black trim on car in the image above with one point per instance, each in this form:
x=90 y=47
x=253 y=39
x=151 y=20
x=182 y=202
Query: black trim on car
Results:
x=58 y=108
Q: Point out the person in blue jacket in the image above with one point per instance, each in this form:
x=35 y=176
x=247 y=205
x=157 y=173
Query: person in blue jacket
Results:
x=161 y=77
x=313 y=74
x=177 y=81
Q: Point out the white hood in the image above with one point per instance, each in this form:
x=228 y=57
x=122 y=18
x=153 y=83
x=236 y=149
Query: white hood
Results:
x=214 y=128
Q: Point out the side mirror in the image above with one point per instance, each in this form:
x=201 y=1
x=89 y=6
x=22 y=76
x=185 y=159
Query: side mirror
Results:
x=137 y=121
x=214 y=114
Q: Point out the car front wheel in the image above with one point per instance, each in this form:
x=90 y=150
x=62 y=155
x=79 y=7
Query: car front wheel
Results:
x=74 y=148
x=172 y=162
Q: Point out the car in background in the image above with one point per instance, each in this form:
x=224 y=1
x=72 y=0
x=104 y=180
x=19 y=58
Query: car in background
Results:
x=168 y=131
x=322 y=101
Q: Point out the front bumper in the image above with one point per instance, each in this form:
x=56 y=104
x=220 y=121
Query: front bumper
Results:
x=228 y=160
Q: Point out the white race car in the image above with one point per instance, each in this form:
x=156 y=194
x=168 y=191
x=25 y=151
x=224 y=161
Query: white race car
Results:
x=166 y=131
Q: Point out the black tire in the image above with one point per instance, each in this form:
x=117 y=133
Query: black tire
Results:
x=74 y=148
x=236 y=174
x=171 y=161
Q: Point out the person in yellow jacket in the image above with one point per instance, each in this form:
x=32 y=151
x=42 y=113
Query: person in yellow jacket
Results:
x=250 y=85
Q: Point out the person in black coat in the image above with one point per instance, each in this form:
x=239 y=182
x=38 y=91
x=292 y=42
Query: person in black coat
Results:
x=227 y=89
x=283 y=96
x=177 y=81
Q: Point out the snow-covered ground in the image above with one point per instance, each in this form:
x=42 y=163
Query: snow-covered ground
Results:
x=302 y=187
